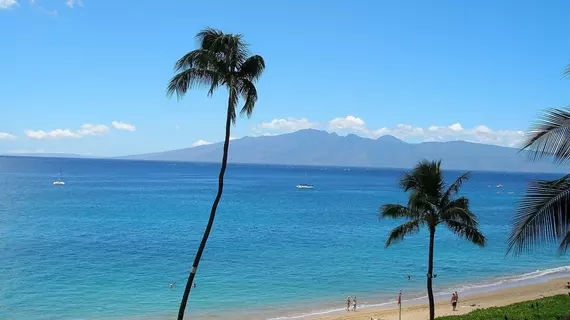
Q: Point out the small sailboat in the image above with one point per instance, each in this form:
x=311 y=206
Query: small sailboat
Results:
x=304 y=185
x=499 y=185
x=59 y=181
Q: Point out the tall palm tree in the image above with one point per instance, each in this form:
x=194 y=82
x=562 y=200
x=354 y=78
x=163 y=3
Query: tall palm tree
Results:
x=543 y=216
x=222 y=60
x=431 y=203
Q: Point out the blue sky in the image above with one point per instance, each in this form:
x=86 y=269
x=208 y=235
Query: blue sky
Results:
x=421 y=70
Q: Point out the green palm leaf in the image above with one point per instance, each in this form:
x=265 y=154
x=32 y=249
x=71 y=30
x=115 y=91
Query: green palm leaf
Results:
x=542 y=216
x=551 y=136
x=466 y=231
x=401 y=231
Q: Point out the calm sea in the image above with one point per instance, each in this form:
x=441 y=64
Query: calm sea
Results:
x=108 y=243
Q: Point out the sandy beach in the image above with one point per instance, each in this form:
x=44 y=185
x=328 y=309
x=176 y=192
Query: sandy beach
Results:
x=466 y=303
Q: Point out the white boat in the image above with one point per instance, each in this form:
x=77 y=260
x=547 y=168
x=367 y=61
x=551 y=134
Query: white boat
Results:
x=304 y=185
x=59 y=181
x=499 y=186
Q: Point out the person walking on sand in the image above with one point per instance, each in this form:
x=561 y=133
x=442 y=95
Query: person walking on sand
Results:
x=454 y=301
x=348 y=303
x=354 y=304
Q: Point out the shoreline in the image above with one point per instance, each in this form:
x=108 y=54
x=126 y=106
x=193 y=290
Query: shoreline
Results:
x=467 y=302
x=487 y=293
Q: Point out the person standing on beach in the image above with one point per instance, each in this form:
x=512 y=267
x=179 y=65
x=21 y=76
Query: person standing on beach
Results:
x=454 y=301
x=348 y=303
x=354 y=304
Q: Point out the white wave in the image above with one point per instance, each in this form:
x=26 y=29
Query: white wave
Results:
x=465 y=288
x=514 y=279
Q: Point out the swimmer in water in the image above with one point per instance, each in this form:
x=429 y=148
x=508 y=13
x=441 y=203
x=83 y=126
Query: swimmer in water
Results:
x=172 y=284
x=194 y=285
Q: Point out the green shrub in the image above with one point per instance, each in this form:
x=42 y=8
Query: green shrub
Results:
x=550 y=308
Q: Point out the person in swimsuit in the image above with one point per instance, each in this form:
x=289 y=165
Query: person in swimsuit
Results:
x=348 y=303
x=354 y=304
x=454 y=301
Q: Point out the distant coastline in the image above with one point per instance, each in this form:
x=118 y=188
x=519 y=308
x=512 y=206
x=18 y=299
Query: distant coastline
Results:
x=214 y=162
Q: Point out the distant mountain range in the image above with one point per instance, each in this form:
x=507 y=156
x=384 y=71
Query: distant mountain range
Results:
x=315 y=147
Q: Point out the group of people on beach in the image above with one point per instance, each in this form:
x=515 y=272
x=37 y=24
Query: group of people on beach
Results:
x=348 y=301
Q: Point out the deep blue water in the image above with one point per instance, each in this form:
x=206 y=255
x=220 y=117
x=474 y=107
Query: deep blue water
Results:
x=108 y=243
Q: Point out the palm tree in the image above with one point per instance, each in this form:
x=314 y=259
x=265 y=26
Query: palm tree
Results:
x=222 y=60
x=431 y=203
x=543 y=216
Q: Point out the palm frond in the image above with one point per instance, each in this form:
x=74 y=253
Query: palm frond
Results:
x=542 y=215
x=198 y=59
x=208 y=36
x=406 y=229
x=249 y=94
x=467 y=232
x=395 y=211
x=566 y=72
x=408 y=181
x=453 y=188
x=229 y=48
x=252 y=68
x=425 y=178
x=551 y=136
x=188 y=79
x=421 y=203
x=458 y=210
x=564 y=244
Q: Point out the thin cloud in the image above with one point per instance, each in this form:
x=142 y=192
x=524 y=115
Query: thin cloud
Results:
x=123 y=126
x=7 y=136
x=41 y=9
x=287 y=125
x=7 y=4
x=73 y=3
x=85 y=130
x=201 y=143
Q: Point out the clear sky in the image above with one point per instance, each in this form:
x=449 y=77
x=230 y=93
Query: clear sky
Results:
x=420 y=70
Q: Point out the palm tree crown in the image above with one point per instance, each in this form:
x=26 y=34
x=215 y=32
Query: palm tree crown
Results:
x=432 y=203
x=542 y=216
x=222 y=60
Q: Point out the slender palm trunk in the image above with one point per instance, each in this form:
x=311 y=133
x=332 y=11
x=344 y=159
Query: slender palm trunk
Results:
x=430 y=275
x=212 y=215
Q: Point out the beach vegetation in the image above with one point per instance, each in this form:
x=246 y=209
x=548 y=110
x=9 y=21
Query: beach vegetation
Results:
x=549 y=308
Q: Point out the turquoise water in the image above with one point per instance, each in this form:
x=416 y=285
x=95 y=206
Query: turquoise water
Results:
x=108 y=243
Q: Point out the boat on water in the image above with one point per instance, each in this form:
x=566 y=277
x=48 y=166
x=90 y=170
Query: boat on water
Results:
x=499 y=186
x=59 y=181
x=304 y=185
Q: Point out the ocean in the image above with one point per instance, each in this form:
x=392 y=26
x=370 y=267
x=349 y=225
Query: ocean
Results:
x=108 y=243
